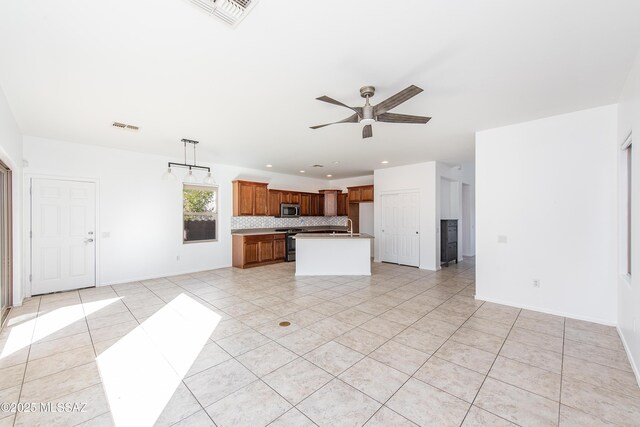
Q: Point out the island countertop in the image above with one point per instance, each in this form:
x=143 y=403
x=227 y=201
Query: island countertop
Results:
x=331 y=236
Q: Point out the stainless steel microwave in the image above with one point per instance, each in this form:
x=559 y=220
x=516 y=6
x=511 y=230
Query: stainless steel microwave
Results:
x=289 y=210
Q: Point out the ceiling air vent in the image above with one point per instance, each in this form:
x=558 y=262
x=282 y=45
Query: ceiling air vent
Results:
x=124 y=126
x=229 y=11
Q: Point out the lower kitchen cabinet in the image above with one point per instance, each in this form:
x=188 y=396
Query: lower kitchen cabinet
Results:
x=252 y=251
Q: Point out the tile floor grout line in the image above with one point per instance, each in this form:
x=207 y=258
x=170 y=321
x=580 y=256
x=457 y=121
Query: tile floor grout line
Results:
x=489 y=371
x=431 y=355
x=392 y=283
x=564 y=329
x=15 y=417
x=182 y=379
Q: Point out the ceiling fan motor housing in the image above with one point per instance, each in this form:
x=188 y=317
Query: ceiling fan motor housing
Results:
x=367 y=91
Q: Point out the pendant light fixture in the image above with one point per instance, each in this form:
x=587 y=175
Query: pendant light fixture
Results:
x=189 y=177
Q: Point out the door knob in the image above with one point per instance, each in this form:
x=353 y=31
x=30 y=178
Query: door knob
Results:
x=88 y=240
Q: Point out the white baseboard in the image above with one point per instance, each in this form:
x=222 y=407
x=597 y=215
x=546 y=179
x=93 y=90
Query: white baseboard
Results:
x=547 y=311
x=632 y=361
x=141 y=278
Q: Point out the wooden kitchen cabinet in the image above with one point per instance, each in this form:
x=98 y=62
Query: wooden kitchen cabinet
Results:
x=354 y=194
x=250 y=198
x=275 y=199
x=314 y=204
x=254 y=250
x=261 y=205
x=305 y=204
x=366 y=194
x=279 y=248
x=342 y=204
x=362 y=193
x=329 y=202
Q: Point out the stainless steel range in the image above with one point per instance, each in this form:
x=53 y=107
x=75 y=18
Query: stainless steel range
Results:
x=291 y=242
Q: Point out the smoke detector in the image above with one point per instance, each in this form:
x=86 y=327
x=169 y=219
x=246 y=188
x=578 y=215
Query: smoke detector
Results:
x=124 y=126
x=229 y=11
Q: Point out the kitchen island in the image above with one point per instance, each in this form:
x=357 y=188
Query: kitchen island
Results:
x=336 y=254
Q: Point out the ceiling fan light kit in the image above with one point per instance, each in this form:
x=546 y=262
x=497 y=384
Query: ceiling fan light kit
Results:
x=369 y=114
x=189 y=178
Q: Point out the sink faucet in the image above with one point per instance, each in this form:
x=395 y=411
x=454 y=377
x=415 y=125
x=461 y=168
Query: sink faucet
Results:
x=349 y=221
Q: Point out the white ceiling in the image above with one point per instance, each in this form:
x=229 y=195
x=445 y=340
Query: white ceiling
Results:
x=69 y=68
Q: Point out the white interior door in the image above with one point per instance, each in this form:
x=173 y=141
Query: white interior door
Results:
x=389 y=228
x=409 y=230
x=400 y=229
x=63 y=220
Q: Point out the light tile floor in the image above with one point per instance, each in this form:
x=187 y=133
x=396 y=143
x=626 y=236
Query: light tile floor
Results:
x=402 y=347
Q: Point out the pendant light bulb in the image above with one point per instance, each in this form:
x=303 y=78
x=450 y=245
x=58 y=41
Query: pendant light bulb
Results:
x=208 y=180
x=189 y=178
x=168 y=175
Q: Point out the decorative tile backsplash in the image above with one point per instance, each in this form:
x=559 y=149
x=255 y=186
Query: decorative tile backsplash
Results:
x=244 y=222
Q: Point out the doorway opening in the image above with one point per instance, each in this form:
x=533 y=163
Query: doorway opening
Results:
x=6 y=243
x=468 y=236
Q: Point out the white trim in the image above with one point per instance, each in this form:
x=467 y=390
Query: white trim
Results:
x=178 y=273
x=547 y=311
x=26 y=226
x=632 y=361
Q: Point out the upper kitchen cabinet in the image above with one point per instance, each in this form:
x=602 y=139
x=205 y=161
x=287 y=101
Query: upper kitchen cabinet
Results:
x=363 y=193
x=305 y=204
x=342 y=204
x=275 y=199
x=250 y=198
x=329 y=202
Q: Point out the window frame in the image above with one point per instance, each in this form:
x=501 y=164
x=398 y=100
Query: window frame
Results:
x=215 y=215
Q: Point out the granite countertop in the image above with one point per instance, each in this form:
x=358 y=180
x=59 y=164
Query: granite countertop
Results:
x=260 y=231
x=329 y=236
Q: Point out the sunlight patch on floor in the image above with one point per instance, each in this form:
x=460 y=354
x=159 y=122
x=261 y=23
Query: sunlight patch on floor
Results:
x=141 y=371
x=31 y=331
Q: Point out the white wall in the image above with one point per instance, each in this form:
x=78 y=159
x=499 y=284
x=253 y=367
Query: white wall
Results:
x=141 y=212
x=11 y=155
x=629 y=289
x=548 y=186
x=422 y=178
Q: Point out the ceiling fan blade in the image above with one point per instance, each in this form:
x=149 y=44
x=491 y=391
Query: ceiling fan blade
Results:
x=358 y=110
x=402 y=118
x=351 y=119
x=367 y=132
x=397 y=99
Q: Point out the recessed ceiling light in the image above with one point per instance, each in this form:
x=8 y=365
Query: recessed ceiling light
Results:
x=336 y=162
x=384 y=162
x=329 y=176
x=301 y=171
x=269 y=166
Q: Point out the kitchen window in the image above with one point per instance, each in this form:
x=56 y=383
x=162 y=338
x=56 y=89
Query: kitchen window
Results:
x=199 y=213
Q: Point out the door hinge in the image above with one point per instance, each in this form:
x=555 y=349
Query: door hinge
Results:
x=30 y=278
x=31 y=234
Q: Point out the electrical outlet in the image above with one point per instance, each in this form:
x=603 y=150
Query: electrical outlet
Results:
x=178 y=258
x=502 y=239
x=536 y=283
